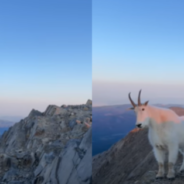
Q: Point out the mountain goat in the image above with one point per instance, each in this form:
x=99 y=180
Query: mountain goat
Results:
x=165 y=134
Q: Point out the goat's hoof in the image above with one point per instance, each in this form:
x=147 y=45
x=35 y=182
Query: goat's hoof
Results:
x=171 y=176
x=159 y=177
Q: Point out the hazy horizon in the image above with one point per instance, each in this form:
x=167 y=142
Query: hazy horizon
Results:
x=10 y=109
x=112 y=93
x=130 y=105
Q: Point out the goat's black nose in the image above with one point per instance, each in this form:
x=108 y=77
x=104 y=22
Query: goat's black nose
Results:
x=139 y=125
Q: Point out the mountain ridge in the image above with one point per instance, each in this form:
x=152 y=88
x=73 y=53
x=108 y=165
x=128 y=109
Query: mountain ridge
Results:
x=53 y=146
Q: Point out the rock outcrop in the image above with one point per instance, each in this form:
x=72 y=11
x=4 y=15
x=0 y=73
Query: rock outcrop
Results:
x=53 y=147
x=131 y=161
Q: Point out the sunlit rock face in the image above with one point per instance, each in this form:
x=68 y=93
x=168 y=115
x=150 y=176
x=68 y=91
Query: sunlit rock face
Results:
x=50 y=147
x=131 y=161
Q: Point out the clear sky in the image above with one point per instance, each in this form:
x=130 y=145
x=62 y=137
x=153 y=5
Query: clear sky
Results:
x=45 y=54
x=138 y=45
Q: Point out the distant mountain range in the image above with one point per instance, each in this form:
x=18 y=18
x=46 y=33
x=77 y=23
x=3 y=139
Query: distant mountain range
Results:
x=13 y=119
x=5 y=123
x=112 y=123
x=8 y=121
x=3 y=129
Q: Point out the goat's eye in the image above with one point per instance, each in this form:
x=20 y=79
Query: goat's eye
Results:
x=142 y=109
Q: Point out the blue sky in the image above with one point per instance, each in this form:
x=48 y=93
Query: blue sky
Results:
x=45 y=54
x=138 y=45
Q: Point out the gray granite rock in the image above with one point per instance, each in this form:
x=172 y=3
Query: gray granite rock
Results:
x=89 y=102
x=72 y=123
x=84 y=169
x=48 y=147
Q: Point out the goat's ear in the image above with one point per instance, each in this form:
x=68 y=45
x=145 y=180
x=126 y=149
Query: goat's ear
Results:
x=131 y=108
x=146 y=103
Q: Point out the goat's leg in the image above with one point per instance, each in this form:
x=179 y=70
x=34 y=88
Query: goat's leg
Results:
x=160 y=157
x=173 y=153
x=182 y=166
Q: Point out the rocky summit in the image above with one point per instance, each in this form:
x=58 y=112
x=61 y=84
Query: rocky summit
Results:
x=131 y=161
x=51 y=147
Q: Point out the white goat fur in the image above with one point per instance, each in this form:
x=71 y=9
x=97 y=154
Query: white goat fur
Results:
x=166 y=133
